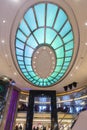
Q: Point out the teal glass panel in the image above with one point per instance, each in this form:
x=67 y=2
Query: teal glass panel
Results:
x=65 y=67
x=29 y=68
x=45 y=84
x=22 y=67
x=57 y=69
x=19 y=44
x=32 y=42
x=30 y=19
x=36 y=78
x=54 y=74
x=68 y=37
x=37 y=83
x=24 y=70
x=41 y=83
x=21 y=36
x=60 y=61
x=66 y=64
x=57 y=42
x=61 y=74
x=60 y=52
x=45 y=80
x=68 y=53
x=19 y=58
x=63 y=71
x=20 y=62
x=70 y=45
x=23 y=26
x=26 y=74
x=39 y=34
x=28 y=51
x=50 y=78
x=27 y=61
x=40 y=14
x=32 y=73
x=67 y=59
x=65 y=29
x=51 y=9
x=50 y=34
x=61 y=18
x=19 y=52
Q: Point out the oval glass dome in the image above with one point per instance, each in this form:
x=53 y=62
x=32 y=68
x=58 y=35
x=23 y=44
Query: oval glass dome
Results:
x=44 y=25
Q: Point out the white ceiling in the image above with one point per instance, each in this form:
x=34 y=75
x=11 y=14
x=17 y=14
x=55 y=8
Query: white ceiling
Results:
x=9 y=10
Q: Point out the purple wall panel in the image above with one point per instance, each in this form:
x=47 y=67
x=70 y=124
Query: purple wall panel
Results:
x=11 y=110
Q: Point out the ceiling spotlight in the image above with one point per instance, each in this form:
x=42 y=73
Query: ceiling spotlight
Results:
x=74 y=84
x=85 y=23
x=2 y=41
x=70 y=86
x=4 y=21
x=65 y=88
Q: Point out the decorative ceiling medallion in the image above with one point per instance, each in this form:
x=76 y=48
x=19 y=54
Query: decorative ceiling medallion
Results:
x=45 y=26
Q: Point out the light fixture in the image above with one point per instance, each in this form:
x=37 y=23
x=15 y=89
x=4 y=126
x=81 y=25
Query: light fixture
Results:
x=65 y=88
x=86 y=43
x=2 y=41
x=70 y=86
x=4 y=21
x=74 y=84
x=85 y=23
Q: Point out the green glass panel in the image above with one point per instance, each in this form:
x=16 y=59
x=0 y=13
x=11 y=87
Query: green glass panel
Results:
x=41 y=83
x=25 y=73
x=19 y=44
x=32 y=73
x=51 y=14
x=70 y=45
x=68 y=53
x=67 y=59
x=50 y=34
x=19 y=52
x=61 y=18
x=29 y=68
x=54 y=74
x=57 y=42
x=28 y=51
x=65 y=29
x=58 y=68
x=45 y=80
x=65 y=67
x=21 y=36
x=22 y=67
x=23 y=70
x=50 y=78
x=45 y=84
x=39 y=34
x=40 y=14
x=36 y=78
x=23 y=26
x=66 y=64
x=60 y=52
x=37 y=83
x=32 y=42
x=21 y=63
x=63 y=71
x=19 y=58
x=60 y=61
x=27 y=61
x=30 y=19
x=61 y=74
x=68 y=37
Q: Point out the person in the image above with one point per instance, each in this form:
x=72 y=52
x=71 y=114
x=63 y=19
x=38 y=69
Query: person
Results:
x=16 y=127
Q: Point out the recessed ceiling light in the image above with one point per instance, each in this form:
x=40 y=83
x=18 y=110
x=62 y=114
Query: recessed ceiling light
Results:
x=71 y=75
x=6 y=55
x=76 y=67
x=2 y=41
x=37 y=52
x=86 y=43
x=85 y=23
x=4 y=21
x=15 y=73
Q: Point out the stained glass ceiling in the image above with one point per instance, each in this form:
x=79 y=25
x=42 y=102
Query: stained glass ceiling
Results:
x=44 y=25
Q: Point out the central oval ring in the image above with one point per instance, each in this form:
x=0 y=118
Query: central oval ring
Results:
x=43 y=61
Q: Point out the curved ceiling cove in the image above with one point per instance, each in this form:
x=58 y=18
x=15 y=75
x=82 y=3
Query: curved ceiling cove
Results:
x=44 y=34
